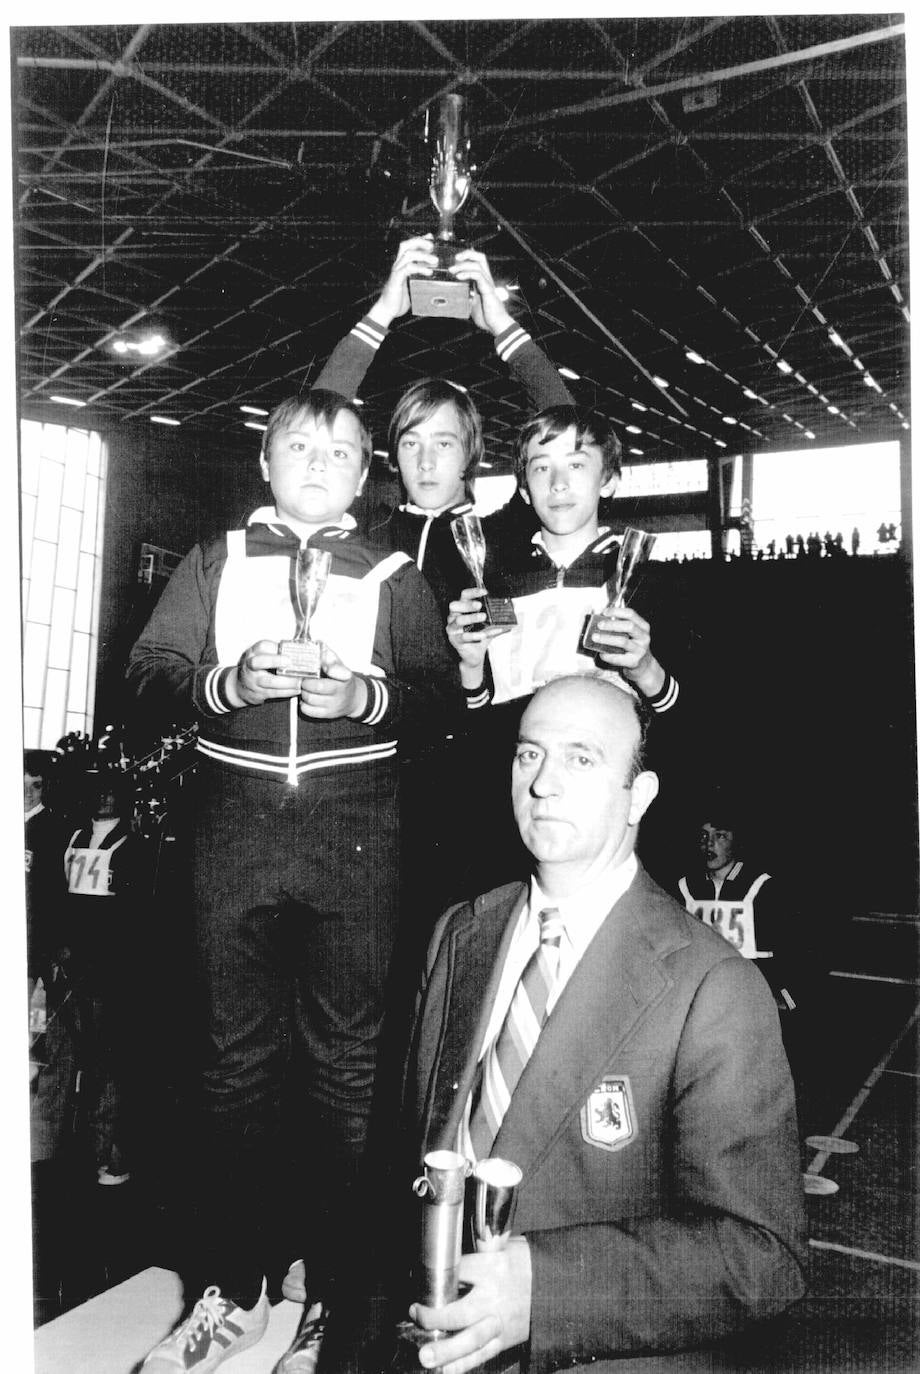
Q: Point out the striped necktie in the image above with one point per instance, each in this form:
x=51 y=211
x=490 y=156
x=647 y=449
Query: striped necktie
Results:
x=512 y=1047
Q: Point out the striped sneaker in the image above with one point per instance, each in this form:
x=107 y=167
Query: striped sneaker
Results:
x=216 y=1329
x=303 y=1355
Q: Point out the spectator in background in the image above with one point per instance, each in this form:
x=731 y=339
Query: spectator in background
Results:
x=750 y=908
x=45 y=889
x=105 y=867
x=854 y=541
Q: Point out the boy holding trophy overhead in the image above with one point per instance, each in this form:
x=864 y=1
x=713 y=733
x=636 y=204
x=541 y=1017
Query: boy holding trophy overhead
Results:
x=295 y=853
x=435 y=435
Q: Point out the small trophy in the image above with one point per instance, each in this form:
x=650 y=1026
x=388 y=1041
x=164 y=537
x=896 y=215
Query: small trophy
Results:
x=635 y=549
x=303 y=654
x=495 y=1182
x=470 y=540
x=441 y=294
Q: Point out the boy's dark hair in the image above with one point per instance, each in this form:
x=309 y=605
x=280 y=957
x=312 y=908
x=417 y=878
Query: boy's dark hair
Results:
x=36 y=762
x=420 y=401
x=323 y=406
x=590 y=427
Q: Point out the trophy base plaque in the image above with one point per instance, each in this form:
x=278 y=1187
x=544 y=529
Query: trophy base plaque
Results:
x=589 y=638
x=304 y=658
x=441 y=295
x=499 y=610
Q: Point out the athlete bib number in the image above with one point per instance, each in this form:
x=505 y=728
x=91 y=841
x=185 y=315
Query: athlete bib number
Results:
x=734 y=921
x=89 y=874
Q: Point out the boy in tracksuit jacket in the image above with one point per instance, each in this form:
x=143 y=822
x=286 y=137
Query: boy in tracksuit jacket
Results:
x=295 y=857
x=435 y=434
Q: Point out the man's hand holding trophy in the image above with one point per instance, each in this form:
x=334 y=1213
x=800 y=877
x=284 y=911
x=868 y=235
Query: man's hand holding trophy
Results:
x=442 y=1188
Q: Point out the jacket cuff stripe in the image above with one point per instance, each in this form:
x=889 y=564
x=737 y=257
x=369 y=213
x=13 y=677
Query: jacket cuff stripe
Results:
x=369 y=333
x=378 y=700
x=215 y=690
x=666 y=698
x=513 y=338
x=478 y=697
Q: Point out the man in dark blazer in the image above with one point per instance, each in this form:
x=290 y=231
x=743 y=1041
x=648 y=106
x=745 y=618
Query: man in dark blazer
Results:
x=661 y=1207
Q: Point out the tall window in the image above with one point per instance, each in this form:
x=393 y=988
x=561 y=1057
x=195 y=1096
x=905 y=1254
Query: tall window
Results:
x=62 y=483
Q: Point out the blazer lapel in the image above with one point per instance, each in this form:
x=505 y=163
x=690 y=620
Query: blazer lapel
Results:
x=610 y=992
x=475 y=958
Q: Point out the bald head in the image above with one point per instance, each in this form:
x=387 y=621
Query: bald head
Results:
x=578 y=786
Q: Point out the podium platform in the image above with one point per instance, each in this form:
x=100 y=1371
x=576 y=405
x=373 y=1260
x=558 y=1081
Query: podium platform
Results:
x=113 y=1332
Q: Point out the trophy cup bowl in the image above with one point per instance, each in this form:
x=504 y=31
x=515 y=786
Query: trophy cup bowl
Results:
x=449 y=186
x=635 y=549
x=303 y=655
x=471 y=544
x=495 y=1182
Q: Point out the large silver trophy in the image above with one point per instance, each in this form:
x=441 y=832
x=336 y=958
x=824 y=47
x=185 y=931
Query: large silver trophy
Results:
x=635 y=550
x=303 y=654
x=471 y=543
x=442 y=1190
x=442 y=294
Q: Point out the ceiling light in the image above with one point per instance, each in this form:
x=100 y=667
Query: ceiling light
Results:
x=456 y=386
x=720 y=443
x=254 y=424
x=637 y=405
x=857 y=363
x=905 y=425
x=484 y=464
x=783 y=365
x=356 y=401
x=729 y=420
x=694 y=357
x=835 y=339
x=253 y=410
x=567 y=372
x=633 y=429
x=637 y=451
x=808 y=434
x=67 y=401
x=380 y=453
x=660 y=381
x=751 y=395
x=148 y=345
x=153 y=344
x=164 y=420
x=870 y=381
x=833 y=410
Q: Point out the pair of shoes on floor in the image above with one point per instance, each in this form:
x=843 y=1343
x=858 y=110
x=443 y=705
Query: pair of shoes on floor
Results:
x=215 y=1330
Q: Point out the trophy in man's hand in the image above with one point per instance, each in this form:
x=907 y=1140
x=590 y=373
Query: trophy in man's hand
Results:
x=442 y=294
x=442 y=1189
x=304 y=655
x=470 y=540
x=495 y=1193
x=635 y=548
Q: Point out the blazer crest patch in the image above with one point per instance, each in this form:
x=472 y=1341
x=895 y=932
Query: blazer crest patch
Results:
x=608 y=1118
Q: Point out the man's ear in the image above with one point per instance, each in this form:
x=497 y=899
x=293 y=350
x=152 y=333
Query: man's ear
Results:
x=524 y=492
x=610 y=486
x=644 y=791
x=263 y=464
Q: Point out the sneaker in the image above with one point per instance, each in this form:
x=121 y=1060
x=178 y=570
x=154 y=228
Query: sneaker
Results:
x=303 y=1355
x=216 y=1330
x=108 y=1178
